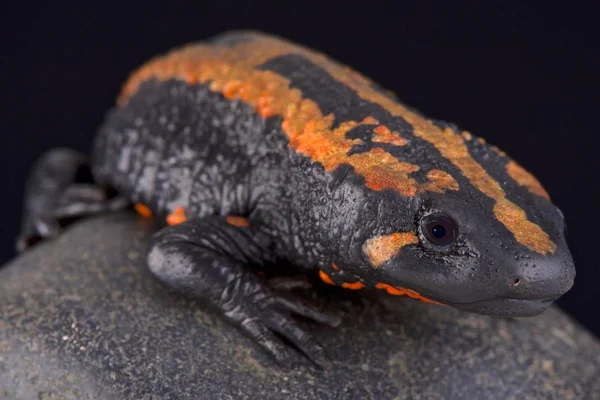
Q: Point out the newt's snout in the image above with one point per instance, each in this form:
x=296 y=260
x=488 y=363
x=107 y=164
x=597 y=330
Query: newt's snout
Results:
x=528 y=289
x=547 y=277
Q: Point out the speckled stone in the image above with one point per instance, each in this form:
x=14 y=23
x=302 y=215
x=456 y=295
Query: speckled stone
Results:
x=82 y=319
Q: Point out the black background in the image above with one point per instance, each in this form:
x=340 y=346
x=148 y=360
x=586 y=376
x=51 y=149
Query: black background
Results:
x=525 y=77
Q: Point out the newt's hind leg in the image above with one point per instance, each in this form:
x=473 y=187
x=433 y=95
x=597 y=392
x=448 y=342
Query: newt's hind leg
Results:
x=208 y=259
x=60 y=188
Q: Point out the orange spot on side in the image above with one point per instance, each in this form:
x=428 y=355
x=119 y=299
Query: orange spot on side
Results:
x=353 y=285
x=143 y=210
x=177 y=216
x=238 y=221
x=396 y=291
x=335 y=267
x=326 y=278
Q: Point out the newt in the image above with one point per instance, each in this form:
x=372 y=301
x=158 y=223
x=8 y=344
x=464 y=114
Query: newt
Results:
x=252 y=151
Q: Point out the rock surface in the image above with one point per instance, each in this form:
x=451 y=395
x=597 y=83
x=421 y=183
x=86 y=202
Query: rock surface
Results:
x=80 y=318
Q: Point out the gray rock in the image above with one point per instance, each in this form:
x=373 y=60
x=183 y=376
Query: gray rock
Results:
x=82 y=319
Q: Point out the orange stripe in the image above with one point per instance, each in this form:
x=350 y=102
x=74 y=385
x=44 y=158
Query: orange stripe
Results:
x=353 y=285
x=325 y=278
x=524 y=178
x=395 y=291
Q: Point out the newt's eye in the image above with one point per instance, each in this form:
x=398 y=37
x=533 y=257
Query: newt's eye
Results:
x=439 y=229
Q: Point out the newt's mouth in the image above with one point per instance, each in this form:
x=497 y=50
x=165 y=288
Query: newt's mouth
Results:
x=505 y=307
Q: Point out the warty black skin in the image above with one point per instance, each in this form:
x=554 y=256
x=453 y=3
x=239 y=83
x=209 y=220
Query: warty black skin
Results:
x=178 y=144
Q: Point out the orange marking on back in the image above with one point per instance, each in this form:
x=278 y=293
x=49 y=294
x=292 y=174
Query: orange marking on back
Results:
x=231 y=89
x=381 y=249
x=398 y=291
x=241 y=222
x=383 y=134
x=325 y=278
x=353 y=285
x=231 y=71
x=524 y=178
x=370 y=121
x=219 y=65
x=335 y=267
x=143 y=210
x=177 y=217
x=498 y=151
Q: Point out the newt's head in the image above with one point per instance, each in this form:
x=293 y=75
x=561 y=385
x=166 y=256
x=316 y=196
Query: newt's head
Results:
x=410 y=205
x=479 y=233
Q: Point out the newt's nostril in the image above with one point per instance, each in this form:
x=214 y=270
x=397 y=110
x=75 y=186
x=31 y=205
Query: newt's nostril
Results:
x=516 y=281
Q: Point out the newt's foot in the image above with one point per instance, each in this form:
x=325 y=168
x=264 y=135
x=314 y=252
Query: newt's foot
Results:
x=60 y=189
x=209 y=258
x=270 y=313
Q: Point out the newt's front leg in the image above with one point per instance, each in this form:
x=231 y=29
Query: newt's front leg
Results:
x=208 y=259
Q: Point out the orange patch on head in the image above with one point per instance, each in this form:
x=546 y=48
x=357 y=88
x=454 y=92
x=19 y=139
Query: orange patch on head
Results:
x=526 y=232
x=524 y=178
x=382 y=171
x=143 y=210
x=381 y=249
x=325 y=278
x=396 y=291
x=177 y=217
x=219 y=65
x=238 y=221
x=439 y=181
